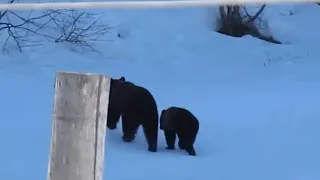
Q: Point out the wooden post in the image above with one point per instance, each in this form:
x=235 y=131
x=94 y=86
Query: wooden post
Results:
x=79 y=126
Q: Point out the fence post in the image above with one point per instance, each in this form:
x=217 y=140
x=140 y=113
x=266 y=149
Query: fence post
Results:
x=79 y=126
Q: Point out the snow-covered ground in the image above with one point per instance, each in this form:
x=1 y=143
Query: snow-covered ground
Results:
x=258 y=103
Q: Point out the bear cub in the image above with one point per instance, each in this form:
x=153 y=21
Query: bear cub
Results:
x=136 y=106
x=181 y=122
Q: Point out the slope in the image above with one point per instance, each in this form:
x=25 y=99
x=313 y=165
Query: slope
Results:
x=258 y=103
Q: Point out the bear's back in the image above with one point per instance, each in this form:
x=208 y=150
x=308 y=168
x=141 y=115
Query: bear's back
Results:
x=135 y=99
x=180 y=117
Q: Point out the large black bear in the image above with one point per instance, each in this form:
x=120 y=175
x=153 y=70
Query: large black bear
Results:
x=179 y=121
x=136 y=106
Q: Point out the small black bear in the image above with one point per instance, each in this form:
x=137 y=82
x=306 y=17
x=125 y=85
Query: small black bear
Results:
x=179 y=121
x=136 y=106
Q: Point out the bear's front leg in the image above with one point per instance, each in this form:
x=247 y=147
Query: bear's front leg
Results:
x=171 y=139
x=128 y=137
x=181 y=142
x=186 y=143
x=113 y=118
x=181 y=145
x=129 y=129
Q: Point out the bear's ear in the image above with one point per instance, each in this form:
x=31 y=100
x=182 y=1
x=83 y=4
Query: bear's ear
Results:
x=122 y=79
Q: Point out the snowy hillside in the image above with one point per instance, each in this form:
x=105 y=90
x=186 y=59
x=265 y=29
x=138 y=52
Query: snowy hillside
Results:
x=258 y=103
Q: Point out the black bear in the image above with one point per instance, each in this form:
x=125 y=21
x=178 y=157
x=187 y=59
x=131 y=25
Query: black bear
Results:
x=181 y=122
x=136 y=106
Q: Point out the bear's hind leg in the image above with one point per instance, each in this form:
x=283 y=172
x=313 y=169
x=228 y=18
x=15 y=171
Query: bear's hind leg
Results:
x=151 y=134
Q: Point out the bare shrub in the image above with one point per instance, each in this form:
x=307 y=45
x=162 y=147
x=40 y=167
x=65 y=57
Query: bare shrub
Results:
x=68 y=26
x=77 y=27
x=236 y=21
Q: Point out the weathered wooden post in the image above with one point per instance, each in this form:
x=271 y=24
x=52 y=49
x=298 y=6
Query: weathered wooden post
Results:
x=79 y=126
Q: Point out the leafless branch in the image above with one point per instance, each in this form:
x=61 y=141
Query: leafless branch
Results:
x=79 y=28
x=68 y=26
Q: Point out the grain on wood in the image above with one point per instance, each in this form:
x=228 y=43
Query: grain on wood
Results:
x=79 y=126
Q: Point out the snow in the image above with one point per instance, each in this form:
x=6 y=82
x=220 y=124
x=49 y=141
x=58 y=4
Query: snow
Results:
x=257 y=103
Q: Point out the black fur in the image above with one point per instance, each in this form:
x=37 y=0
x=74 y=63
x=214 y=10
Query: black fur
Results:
x=136 y=106
x=181 y=122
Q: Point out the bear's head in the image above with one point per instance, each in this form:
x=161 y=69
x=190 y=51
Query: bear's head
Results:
x=161 y=118
x=114 y=86
x=113 y=112
x=117 y=81
x=167 y=121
